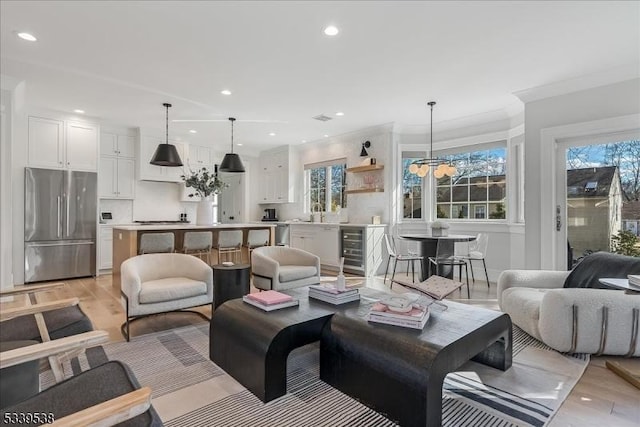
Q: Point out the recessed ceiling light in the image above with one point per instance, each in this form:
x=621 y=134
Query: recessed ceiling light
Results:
x=331 y=30
x=339 y=113
x=193 y=131
x=225 y=92
x=239 y=144
x=272 y=134
x=326 y=136
x=78 y=111
x=304 y=140
x=28 y=37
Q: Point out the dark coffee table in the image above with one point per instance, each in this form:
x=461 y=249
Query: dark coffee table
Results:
x=252 y=345
x=399 y=371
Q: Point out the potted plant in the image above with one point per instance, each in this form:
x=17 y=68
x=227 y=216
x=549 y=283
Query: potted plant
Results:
x=204 y=184
x=439 y=228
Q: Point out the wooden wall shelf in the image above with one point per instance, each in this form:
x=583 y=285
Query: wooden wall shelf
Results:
x=365 y=190
x=367 y=168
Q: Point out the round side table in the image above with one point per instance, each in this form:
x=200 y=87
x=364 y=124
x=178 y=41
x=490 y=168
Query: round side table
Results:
x=230 y=282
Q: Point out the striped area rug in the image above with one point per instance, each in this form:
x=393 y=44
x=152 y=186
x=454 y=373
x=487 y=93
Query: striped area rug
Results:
x=190 y=390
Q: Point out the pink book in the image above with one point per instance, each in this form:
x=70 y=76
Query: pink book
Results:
x=380 y=308
x=270 y=297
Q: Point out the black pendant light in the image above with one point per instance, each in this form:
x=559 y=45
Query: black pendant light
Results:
x=166 y=154
x=231 y=161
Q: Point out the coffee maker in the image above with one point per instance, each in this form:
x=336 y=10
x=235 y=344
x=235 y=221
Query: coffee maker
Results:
x=269 y=215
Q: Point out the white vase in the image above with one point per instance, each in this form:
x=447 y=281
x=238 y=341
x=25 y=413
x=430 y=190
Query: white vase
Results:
x=204 y=214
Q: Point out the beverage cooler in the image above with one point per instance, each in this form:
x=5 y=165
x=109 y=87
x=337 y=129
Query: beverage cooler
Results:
x=352 y=248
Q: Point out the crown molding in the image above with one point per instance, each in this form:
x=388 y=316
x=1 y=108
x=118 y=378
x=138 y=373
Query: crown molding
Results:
x=589 y=81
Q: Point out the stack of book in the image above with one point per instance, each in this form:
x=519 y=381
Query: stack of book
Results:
x=328 y=292
x=416 y=317
x=634 y=280
x=270 y=300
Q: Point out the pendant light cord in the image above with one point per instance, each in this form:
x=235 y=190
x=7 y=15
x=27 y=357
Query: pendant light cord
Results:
x=166 y=122
x=431 y=104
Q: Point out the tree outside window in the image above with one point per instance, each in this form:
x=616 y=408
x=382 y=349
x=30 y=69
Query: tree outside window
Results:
x=326 y=187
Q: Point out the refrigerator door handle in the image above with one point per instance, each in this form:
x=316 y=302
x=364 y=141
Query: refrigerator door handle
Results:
x=66 y=199
x=59 y=233
x=64 y=243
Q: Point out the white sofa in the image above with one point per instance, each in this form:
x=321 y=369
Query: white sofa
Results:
x=578 y=320
x=158 y=283
x=281 y=268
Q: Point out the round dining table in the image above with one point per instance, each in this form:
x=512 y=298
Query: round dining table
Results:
x=428 y=246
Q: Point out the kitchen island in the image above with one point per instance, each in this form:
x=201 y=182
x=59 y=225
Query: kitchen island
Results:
x=126 y=238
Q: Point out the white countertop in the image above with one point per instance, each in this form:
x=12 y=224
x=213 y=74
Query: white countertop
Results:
x=342 y=224
x=137 y=227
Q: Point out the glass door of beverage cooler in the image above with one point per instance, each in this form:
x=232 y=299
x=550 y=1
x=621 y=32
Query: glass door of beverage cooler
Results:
x=352 y=248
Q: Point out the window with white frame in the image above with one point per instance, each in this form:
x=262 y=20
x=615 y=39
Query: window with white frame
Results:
x=478 y=190
x=325 y=186
x=412 y=187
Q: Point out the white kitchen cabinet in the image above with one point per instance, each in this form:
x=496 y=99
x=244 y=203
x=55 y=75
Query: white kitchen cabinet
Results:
x=112 y=144
x=319 y=239
x=62 y=145
x=325 y=244
x=275 y=175
x=81 y=146
x=105 y=245
x=147 y=172
x=199 y=157
x=231 y=201
x=116 y=178
x=46 y=143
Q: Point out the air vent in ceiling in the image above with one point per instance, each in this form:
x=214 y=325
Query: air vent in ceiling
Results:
x=322 y=118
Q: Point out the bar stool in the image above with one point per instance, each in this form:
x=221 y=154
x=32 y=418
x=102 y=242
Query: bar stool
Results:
x=229 y=242
x=198 y=243
x=152 y=243
x=256 y=239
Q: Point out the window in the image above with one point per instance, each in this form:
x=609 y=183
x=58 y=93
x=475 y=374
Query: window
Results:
x=477 y=190
x=326 y=185
x=411 y=188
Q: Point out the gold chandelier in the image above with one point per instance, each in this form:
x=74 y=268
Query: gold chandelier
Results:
x=440 y=167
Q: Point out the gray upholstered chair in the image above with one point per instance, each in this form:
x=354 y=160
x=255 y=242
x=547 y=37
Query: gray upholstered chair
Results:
x=561 y=308
x=160 y=283
x=151 y=243
x=229 y=243
x=282 y=267
x=198 y=243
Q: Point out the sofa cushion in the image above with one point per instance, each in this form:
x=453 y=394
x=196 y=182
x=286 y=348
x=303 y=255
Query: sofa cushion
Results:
x=170 y=289
x=290 y=273
x=60 y=323
x=523 y=306
x=599 y=265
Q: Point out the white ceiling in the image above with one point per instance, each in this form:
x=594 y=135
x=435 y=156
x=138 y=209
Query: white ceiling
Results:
x=121 y=60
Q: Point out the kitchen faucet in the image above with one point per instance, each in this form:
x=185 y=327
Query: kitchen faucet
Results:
x=320 y=211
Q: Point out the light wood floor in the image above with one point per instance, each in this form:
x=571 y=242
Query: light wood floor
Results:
x=599 y=399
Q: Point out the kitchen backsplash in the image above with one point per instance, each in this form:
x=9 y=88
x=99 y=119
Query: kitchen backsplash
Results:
x=154 y=201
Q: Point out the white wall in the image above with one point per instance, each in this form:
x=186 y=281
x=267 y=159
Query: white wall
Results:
x=610 y=101
x=361 y=207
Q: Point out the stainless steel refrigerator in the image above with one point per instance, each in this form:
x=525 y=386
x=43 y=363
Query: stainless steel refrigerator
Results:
x=59 y=224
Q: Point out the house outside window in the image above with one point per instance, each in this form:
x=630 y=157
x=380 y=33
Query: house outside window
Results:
x=478 y=191
x=325 y=186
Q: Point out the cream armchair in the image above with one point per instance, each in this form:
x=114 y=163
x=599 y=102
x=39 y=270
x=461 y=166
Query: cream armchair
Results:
x=580 y=320
x=281 y=267
x=163 y=282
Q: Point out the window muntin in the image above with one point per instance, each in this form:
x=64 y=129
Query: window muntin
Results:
x=478 y=188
